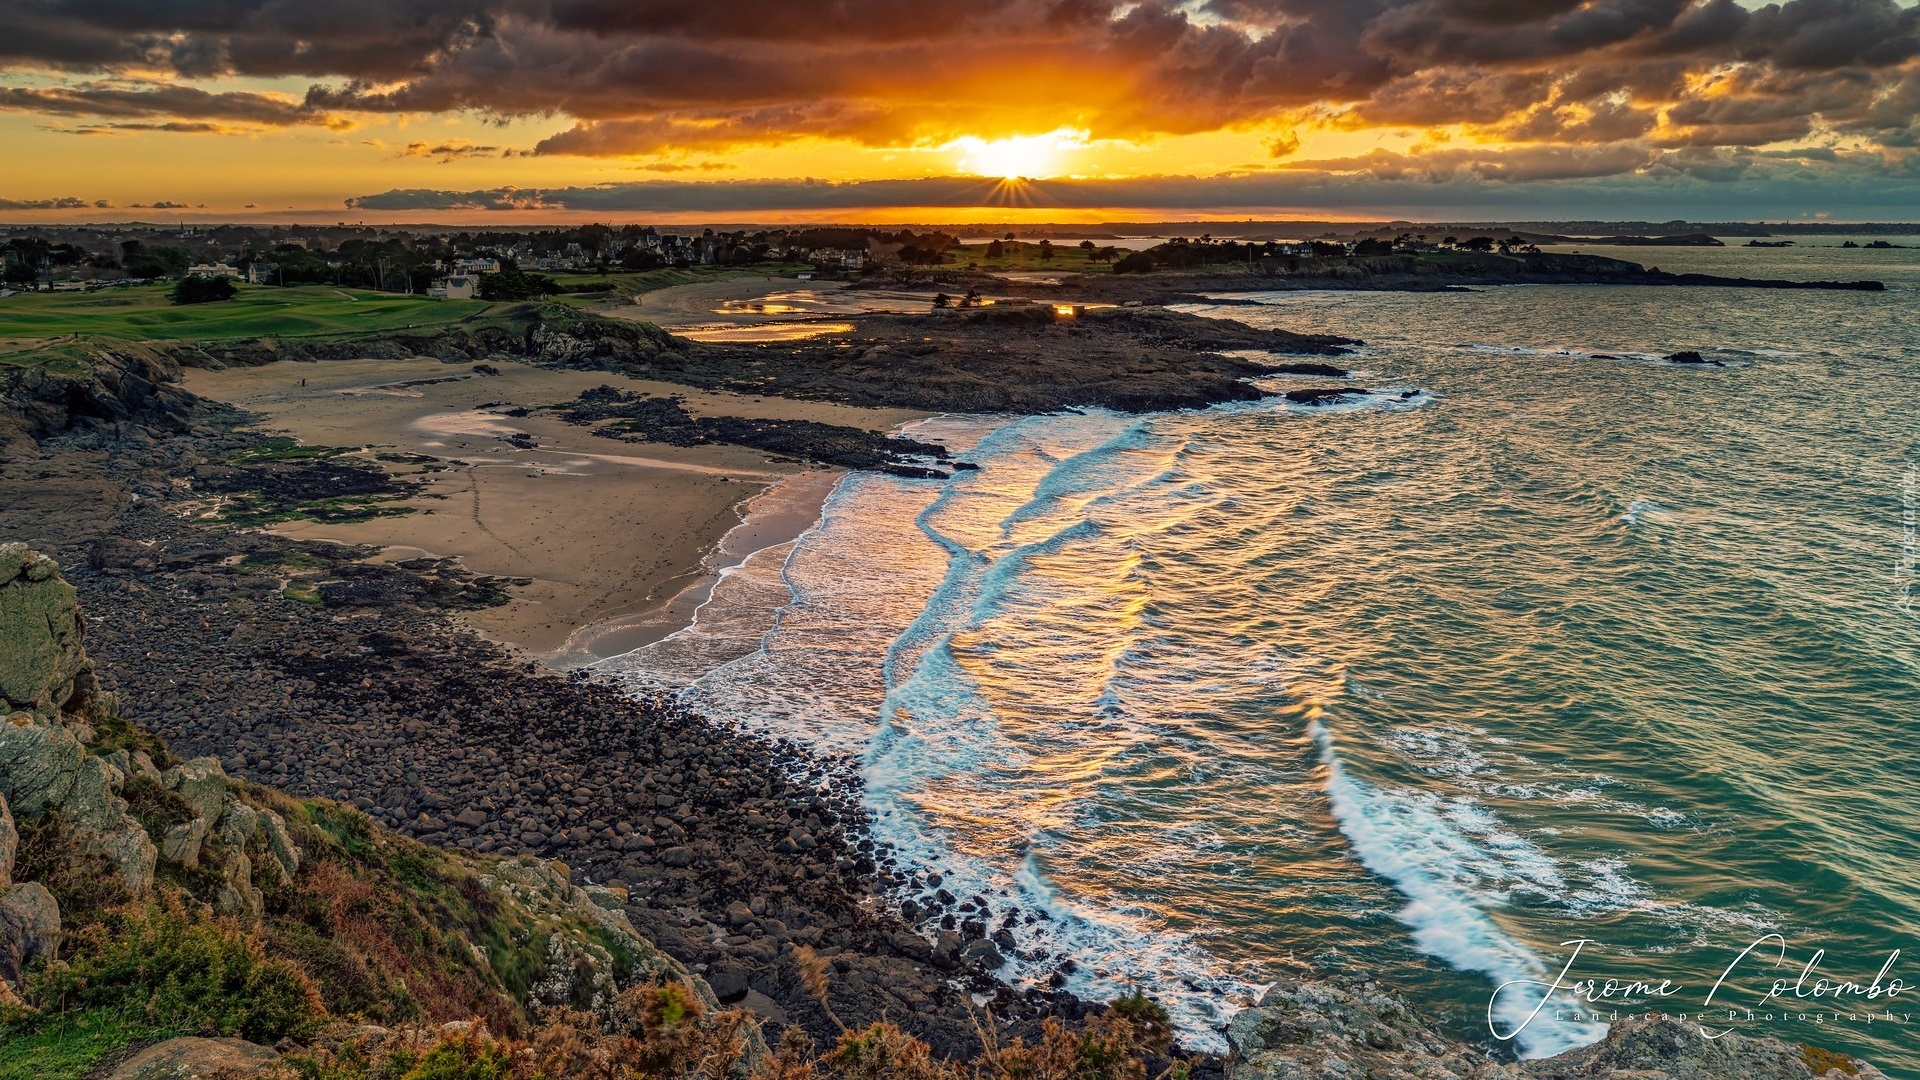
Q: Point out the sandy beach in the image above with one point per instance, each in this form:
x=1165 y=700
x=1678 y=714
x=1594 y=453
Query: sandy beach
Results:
x=617 y=538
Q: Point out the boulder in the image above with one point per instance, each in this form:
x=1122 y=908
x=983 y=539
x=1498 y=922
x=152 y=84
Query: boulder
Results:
x=44 y=768
x=280 y=844
x=183 y=842
x=198 y=1059
x=43 y=665
x=9 y=844
x=1658 y=1047
x=202 y=783
x=29 y=928
x=39 y=765
x=983 y=952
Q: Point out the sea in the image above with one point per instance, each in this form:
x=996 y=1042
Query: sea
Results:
x=1549 y=683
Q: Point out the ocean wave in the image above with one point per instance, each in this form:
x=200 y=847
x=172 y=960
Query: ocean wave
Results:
x=1452 y=862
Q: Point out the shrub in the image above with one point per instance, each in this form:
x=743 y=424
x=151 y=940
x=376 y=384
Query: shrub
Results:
x=181 y=972
x=83 y=880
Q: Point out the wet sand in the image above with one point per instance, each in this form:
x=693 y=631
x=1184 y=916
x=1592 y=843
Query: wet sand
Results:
x=616 y=537
x=762 y=308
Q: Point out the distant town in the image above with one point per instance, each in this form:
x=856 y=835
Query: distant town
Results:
x=518 y=264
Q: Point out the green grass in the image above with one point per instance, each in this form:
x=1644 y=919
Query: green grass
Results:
x=68 y=1046
x=1024 y=256
x=143 y=313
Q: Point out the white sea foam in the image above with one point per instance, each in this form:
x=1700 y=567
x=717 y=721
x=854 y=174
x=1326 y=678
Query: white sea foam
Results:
x=1453 y=864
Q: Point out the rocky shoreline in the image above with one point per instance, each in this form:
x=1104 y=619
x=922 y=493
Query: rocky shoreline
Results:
x=1210 y=273
x=735 y=851
x=733 y=848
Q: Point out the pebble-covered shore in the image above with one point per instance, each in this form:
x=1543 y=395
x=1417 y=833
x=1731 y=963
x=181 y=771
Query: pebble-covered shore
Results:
x=734 y=848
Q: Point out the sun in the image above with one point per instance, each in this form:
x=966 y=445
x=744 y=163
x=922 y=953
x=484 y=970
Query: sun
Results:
x=1018 y=157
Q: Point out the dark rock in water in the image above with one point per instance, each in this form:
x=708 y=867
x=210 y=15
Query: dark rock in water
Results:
x=485 y=369
x=1690 y=357
x=1603 y=356
x=1327 y=371
x=1405 y=394
x=965 y=466
x=1324 y=395
x=635 y=417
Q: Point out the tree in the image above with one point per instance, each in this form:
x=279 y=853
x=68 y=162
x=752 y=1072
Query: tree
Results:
x=941 y=300
x=995 y=250
x=1137 y=262
x=1046 y=250
x=202 y=289
x=152 y=262
x=512 y=284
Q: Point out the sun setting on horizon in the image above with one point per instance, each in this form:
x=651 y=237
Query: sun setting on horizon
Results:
x=1019 y=157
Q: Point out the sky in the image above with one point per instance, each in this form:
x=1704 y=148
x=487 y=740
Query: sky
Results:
x=513 y=111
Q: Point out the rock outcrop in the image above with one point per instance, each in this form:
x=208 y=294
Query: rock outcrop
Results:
x=191 y=1058
x=1306 y=1029
x=53 y=704
x=109 y=383
x=73 y=783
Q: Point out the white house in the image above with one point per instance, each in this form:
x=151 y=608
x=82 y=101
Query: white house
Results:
x=457 y=287
x=219 y=269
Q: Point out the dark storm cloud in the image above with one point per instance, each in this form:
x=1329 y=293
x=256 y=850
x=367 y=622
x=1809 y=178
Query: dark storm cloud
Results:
x=111 y=100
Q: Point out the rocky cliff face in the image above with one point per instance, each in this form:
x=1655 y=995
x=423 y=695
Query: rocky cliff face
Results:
x=116 y=383
x=1306 y=1029
x=450 y=934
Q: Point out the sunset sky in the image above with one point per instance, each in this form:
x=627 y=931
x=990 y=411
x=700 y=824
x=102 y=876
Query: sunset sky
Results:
x=923 y=110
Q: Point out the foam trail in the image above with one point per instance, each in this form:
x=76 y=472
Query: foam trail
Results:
x=1409 y=840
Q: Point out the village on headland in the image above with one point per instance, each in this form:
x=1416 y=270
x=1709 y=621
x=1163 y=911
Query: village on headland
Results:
x=467 y=263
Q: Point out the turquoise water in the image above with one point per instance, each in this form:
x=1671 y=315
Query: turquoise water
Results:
x=1556 y=648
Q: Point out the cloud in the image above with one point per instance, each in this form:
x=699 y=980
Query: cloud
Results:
x=1626 y=181
x=1587 y=83
x=65 y=202
x=449 y=151
x=678 y=166
x=185 y=108
x=163 y=204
